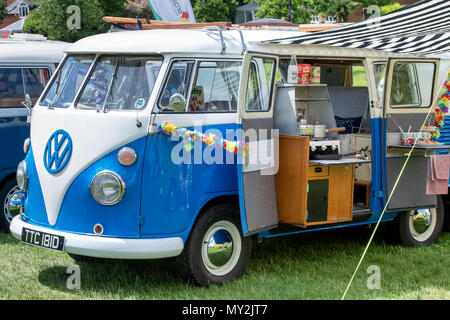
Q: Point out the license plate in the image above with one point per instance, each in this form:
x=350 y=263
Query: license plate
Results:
x=42 y=239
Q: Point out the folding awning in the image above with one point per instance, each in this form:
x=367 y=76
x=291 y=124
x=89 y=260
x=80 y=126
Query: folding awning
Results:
x=421 y=28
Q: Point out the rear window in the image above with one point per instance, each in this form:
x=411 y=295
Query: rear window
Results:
x=15 y=83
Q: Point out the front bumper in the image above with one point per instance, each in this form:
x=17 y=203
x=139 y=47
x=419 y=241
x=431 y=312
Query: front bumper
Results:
x=104 y=247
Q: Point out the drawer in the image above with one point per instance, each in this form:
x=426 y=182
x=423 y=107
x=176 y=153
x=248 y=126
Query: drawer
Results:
x=318 y=171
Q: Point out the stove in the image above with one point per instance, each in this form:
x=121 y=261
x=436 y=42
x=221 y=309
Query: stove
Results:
x=324 y=149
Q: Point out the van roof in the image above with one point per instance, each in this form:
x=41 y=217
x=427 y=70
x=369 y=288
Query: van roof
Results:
x=174 y=41
x=20 y=51
x=202 y=41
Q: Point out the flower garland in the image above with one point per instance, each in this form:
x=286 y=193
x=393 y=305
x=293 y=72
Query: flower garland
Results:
x=189 y=137
x=442 y=107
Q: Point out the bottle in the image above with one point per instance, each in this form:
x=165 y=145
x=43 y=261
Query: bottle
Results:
x=292 y=73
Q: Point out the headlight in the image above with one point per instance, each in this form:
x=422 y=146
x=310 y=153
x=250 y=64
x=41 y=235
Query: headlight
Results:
x=22 y=176
x=26 y=145
x=107 y=187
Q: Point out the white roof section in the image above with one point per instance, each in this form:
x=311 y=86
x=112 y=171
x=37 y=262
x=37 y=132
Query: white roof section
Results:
x=190 y=41
x=201 y=41
x=19 y=51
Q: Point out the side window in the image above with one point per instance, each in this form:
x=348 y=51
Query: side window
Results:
x=216 y=87
x=359 y=76
x=12 y=91
x=35 y=80
x=379 y=70
x=259 y=86
x=177 y=81
x=412 y=84
x=16 y=82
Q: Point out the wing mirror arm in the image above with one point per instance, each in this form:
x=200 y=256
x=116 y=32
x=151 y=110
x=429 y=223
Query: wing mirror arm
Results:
x=177 y=103
x=28 y=104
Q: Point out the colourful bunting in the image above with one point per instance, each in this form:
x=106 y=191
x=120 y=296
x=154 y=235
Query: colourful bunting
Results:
x=189 y=137
x=442 y=107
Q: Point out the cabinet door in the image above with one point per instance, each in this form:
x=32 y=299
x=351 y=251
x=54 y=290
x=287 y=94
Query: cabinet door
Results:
x=317 y=200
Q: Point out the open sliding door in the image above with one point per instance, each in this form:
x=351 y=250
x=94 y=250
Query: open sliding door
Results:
x=257 y=169
x=410 y=91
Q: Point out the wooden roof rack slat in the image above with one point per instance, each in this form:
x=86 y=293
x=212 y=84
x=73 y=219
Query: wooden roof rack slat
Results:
x=156 y=24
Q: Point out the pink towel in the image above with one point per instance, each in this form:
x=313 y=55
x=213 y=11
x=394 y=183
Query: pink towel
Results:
x=438 y=171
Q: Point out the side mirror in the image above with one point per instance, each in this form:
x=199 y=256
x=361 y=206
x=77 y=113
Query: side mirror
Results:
x=177 y=102
x=28 y=104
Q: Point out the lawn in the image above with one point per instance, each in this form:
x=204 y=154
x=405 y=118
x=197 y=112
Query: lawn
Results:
x=308 y=266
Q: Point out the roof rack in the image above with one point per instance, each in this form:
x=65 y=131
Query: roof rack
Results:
x=146 y=24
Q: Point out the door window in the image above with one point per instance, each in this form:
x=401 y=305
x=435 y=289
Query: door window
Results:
x=216 y=87
x=15 y=83
x=412 y=84
x=259 y=88
x=177 y=82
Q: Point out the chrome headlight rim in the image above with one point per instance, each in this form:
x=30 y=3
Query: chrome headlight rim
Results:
x=22 y=180
x=119 y=180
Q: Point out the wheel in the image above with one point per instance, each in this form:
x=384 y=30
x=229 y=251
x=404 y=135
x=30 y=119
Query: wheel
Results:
x=10 y=198
x=216 y=251
x=421 y=227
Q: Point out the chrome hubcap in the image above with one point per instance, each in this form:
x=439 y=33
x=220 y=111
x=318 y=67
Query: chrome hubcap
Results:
x=12 y=204
x=422 y=223
x=221 y=248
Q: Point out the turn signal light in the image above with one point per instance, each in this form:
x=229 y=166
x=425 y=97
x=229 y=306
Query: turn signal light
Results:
x=127 y=156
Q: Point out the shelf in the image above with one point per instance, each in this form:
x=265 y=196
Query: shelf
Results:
x=339 y=162
x=312 y=99
x=284 y=84
x=420 y=146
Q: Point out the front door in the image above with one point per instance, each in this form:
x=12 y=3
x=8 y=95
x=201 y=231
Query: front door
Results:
x=257 y=168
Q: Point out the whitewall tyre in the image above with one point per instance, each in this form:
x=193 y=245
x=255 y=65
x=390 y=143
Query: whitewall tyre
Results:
x=216 y=251
x=9 y=199
x=421 y=227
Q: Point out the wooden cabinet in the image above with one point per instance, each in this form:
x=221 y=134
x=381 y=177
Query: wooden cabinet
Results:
x=310 y=194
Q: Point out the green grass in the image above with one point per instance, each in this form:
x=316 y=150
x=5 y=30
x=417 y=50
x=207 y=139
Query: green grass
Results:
x=308 y=266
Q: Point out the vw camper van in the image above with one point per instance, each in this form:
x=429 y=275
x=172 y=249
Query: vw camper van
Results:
x=189 y=143
x=26 y=65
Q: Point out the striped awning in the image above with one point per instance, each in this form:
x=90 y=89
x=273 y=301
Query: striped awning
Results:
x=420 y=28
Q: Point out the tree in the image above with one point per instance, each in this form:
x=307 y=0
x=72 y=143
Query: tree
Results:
x=114 y=8
x=279 y=9
x=216 y=10
x=211 y=11
x=3 y=11
x=343 y=8
x=52 y=17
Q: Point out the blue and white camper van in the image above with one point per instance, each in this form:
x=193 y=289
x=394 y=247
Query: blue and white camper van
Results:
x=26 y=64
x=190 y=142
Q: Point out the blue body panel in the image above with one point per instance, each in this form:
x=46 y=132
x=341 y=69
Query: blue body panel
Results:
x=79 y=211
x=163 y=198
x=173 y=194
x=445 y=137
x=13 y=131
